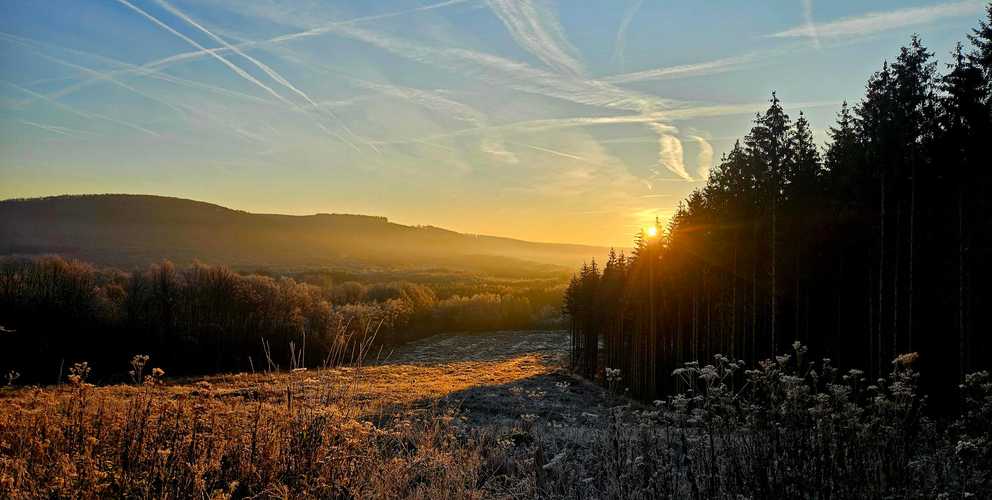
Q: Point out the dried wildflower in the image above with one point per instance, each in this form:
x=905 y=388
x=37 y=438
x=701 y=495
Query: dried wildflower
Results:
x=906 y=360
x=78 y=373
x=138 y=362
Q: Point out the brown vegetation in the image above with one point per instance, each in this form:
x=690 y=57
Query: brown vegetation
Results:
x=507 y=423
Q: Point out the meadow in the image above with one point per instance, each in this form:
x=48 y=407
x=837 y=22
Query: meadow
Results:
x=494 y=415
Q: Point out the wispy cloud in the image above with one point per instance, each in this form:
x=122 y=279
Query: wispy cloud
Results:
x=875 y=22
x=308 y=33
x=55 y=129
x=110 y=79
x=80 y=113
x=235 y=68
x=492 y=143
x=127 y=68
x=670 y=153
x=495 y=70
x=273 y=74
x=559 y=153
x=654 y=120
x=704 y=158
x=537 y=30
x=620 y=44
x=685 y=70
x=260 y=65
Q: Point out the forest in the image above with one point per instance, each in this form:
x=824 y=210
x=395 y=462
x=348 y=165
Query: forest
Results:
x=875 y=245
x=209 y=319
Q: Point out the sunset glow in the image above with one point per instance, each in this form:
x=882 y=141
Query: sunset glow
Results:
x=501 y=118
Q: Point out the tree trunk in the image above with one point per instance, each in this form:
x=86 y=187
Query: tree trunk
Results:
x=774 y=296
x=962 y=334
x=912 y=243
x=877 y=353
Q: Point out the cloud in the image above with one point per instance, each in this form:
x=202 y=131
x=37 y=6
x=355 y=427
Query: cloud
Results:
x=492 y=143
x=130 y=68
x=278 y=78
x=875 y=22
x=265 y=68
x=704 y=158
x=312 y=32
x=492 y=69
x=497 y=149
x=501 y=72
x=110 y=78
x=537 y=30
x=620 y=44
x=236 y=69
x=670 y=154
x=80 y=113
x=685 y=70
x=68 y=132
x=559 y=153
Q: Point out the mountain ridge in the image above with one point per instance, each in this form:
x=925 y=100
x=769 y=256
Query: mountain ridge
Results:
x=134 y=229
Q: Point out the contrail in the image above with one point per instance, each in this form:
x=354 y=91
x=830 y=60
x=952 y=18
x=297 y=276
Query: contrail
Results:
x=537 y=32
x=237 y=70
x=491 y=144
x=621 y=40
x=155 y=66
x=240 y=72
x=561 y=154
x=685 y=70
x=810 y=25
x=82 y=114
x=181 y=109
x=338 y=136
x=54 y=129
x=131 y=69
x=876 y=22
x=264 y=67
x=111 y=80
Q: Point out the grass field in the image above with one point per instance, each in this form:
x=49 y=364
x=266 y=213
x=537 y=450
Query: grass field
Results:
x=494 y=415
x=449 y=417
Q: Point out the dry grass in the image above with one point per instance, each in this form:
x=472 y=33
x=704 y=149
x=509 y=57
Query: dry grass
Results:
x=493 y=416
x=387 y=430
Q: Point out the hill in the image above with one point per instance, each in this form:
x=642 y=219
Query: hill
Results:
x=130 y=230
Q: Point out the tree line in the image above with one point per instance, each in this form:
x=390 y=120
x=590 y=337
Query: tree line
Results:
x=207 y=319
x=878 y=244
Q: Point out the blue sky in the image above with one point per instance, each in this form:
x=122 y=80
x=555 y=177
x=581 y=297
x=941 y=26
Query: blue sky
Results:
x=570 y=121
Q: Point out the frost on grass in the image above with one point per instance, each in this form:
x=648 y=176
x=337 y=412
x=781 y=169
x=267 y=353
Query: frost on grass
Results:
x=432 y=421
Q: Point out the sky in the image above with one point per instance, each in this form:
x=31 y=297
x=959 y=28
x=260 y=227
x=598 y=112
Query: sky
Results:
x=570 y=121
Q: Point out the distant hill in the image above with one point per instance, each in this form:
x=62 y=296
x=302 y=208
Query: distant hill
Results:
x=134 y=230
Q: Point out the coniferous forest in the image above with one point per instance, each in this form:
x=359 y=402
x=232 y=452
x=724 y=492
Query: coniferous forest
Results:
x=878 y=243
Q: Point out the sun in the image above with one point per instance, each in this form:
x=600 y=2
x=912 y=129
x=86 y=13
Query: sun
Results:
x=651 y=231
